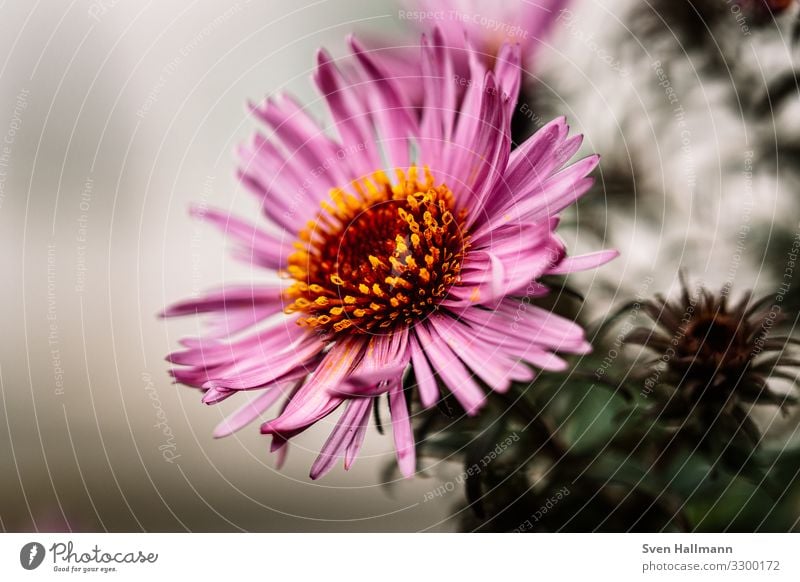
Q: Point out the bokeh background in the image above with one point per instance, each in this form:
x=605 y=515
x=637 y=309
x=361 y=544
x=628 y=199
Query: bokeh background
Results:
x=116 y=115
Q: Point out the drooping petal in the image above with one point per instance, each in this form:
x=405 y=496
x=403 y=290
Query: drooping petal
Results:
x=353 y=448
x=354 y=416
x=401 y=429
x=252 y=373
x=426 y=381
x=367 y=384
x=314 y=399
x=248 y=412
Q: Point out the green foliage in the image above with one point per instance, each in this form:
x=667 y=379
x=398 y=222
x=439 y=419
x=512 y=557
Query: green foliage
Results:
x=595 y=452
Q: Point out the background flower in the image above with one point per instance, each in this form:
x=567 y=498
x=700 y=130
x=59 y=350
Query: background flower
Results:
x=487 y=25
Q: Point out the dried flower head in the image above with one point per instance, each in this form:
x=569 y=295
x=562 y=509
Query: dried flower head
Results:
x=715 y=355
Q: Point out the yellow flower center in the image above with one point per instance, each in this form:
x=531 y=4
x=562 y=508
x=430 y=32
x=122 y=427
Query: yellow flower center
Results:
x=380 y=256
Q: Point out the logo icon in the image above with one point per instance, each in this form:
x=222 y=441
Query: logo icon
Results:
x=31 y=555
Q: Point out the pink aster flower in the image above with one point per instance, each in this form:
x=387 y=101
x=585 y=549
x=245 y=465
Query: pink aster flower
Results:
x=413 y=240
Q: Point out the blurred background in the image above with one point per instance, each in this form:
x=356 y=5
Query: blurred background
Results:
x=116 y=115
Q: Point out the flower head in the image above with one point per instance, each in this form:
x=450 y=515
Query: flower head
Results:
x=404 y=243
x=378 y=260
x=716 y=357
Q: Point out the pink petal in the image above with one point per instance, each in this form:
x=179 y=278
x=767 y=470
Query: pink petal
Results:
x=263 y=372
x=255 y=245
x=354 y=447
x=308 y=145
x=428 y=390
x=583 y=262
x=346 y=106
x=231 y=297
x=373 y=383
x=401 y=429
x=354 y=415
x=451 y=370
x=314 y=401
x=508 y=72
x=392 y=113
x=247 y=413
